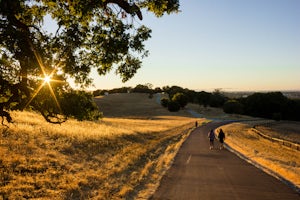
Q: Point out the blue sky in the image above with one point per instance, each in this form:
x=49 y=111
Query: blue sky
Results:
x=233 y=45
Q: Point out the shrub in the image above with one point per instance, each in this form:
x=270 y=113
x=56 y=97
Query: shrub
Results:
x=80 y=105
x=203 y=98
x=164 y=102
x=217 y=99
x=173 y=106
x=265 y=104
x=181 y=99
x=276 y=116
x=233 y=106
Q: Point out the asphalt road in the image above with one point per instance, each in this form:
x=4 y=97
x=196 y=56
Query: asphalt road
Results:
x=200 y=173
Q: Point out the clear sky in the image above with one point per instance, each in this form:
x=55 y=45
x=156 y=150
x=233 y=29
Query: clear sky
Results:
x=233 y=45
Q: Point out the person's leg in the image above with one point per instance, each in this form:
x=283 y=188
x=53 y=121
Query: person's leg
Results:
x=221 y=143
x=211 y=144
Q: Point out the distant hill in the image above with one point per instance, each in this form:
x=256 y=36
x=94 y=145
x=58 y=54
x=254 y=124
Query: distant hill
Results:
x=134 y=105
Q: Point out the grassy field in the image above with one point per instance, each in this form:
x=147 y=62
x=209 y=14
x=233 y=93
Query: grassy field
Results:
x=122 y=156
x=134 y=105
x=286 y=130
x=114 y=158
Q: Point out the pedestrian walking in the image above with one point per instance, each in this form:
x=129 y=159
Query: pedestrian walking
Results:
x=211 y=136
x=221 y=137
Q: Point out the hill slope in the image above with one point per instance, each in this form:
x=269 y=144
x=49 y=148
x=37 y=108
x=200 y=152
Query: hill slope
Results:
x=134 y=105
x=113 y=158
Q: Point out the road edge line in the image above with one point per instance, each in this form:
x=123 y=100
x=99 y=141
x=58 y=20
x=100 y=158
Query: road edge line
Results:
x=266 y=170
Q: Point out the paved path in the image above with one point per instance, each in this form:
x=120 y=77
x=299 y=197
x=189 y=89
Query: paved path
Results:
x=199 y=173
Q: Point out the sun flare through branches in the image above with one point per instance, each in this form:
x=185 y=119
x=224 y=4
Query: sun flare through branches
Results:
x=47 y=79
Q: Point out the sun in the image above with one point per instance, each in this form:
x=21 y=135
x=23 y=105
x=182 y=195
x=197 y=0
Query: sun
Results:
x=47 y=79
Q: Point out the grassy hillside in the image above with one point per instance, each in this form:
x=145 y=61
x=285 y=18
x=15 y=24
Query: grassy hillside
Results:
x=110 y=159
x=287 y=130
x=134 y=105
x=123 y=155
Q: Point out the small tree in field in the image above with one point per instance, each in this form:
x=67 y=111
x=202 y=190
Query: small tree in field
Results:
x=181 y=99
x=164 y=102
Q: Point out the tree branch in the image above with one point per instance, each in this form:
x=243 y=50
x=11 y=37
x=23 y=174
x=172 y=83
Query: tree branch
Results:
x=53 y=118
x=129 y=8
x=6 y=115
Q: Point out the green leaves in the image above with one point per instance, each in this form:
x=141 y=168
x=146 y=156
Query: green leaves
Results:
x=96 y=28
x=159 y=7
x=80 y=104
x=90 y=34
x=142 y=34
x=128 y=68
x=181 y=99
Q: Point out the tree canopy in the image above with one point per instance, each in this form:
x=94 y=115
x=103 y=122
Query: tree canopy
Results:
x=35 y=64
x=180 y=98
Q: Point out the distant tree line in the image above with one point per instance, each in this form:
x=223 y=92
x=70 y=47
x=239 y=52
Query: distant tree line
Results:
x=180 y=97
x=271 y=105
x=146 y=88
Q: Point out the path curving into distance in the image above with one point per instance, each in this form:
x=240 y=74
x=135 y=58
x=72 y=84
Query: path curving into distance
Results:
x=200 y=173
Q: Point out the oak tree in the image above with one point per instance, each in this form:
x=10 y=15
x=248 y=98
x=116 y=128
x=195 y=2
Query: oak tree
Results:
x=36 y=64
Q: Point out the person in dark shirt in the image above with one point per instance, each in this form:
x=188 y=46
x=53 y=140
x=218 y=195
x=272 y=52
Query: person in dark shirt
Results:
x=211 y=136
x=221 y=137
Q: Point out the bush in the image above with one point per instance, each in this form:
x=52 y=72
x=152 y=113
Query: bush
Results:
x=203 y=98
x=217 y=99
x=276 y=116
x=173 y=106
x=233 y=106
x=164 y=102
x=181 y=99
x=80 y=105
x=266 y=104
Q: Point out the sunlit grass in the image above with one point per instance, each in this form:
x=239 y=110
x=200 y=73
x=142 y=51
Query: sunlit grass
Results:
x=115 y=158
x=134 y=105
x=110 y=159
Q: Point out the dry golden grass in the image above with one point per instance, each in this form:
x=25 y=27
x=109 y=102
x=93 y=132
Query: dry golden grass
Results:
x=115 y=158
x=133 y=105
x=286 y=130
x=122 y=156
x=280 y=159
